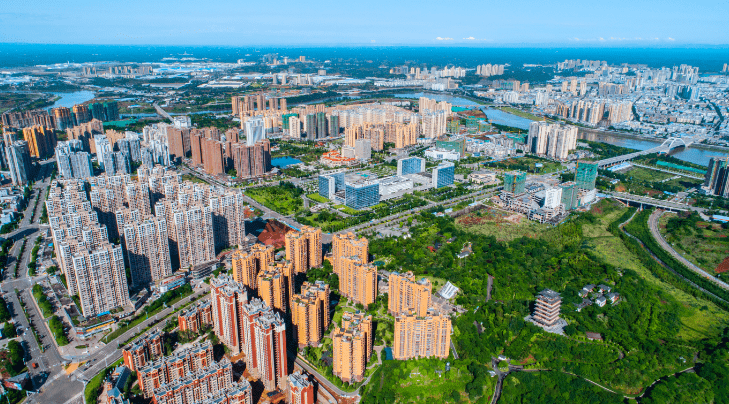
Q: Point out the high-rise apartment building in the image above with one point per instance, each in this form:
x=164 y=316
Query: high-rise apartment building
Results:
x=41 y=141
x=252 y=161
x=85 y=133
x=228 y=209
x=358 y=280
x=72 y=161
x=19 y=163
x=586 y=174
x=406 y=294
x=547 y=308
x=300 y=389
x=247 y=264
x=275 y=285
x=569 y=195
x=716 y=179
x=228 y=297
x=81 y=114
x=194 y=318
x=303 y=248
x=63 y=118
x=265 y=344
x=346 y=245
x=143 y=350
x=310 y=313
x=94 y=268
x=254 y=130
x=146 y=245
x=352 y=344
x=421 y=336
x=100 y=279
x=552 y=140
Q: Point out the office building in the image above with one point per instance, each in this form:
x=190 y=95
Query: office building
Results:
x=444 y=174
x=18 y=158
x=357 y=280
x=551 y=140
x=41 y=141
x=362 y=194
x=310 y=313
x=421 y=336
x=146 y=246
x=247 y=264
x=252 y=161
x=228 y=297
x=406 y=294
x=265 y=344
x=329 y=184
x=410 y=165
x=586 y=174
x=303 y=248
x=547 y=308
x=515 y=182
x=352 y=345
x=300 y=389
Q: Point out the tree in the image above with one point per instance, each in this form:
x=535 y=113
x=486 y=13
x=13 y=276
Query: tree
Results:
x=9 y=330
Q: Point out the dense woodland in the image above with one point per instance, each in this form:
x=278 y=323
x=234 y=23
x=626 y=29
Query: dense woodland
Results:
x=641 y=333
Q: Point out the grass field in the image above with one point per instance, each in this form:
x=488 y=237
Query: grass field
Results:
x=521 y=113
x=505 y=226
x=706 y=247
x=699 y=317
x=318 y=198
x=278 y=198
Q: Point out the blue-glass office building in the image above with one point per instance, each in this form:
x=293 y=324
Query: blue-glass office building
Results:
x=362 y=195
x=330 y=183
x=443 y=174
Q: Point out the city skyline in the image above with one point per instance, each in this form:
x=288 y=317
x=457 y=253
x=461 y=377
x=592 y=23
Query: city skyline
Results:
x=377 y=22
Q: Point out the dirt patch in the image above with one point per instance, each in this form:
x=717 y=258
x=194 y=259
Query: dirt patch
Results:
x=515 y=218
x=723 y=267
x=620 y=188
x=474 y=112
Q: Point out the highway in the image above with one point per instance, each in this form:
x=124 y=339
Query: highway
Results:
x=653 y=225
x=648 y=201
x=696 y=177
x=161 y=112
x=664 y=147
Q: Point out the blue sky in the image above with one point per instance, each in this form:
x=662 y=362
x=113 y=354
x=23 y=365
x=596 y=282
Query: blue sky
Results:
x=382 y=22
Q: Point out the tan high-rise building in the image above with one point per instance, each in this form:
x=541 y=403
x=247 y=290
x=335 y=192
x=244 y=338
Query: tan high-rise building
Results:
x=358 y=280
x=275 y=285
x=303 y=248
x=310 y=313
x=347 y=245
x=228 y=297
x=352 y=343
x=41 y=141
x=421 y=336
x=247 y=264
x=407 y=294
x=265 y=343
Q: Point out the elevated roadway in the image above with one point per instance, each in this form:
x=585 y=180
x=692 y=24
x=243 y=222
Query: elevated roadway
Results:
x=667 y=145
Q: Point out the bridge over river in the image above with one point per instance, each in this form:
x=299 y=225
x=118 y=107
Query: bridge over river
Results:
x=667 y=145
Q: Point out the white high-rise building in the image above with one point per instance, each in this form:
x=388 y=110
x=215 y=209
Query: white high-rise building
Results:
x=294 y=127
x=254 y=130
x=18 y=157
x=552 y=197
x=146 y=246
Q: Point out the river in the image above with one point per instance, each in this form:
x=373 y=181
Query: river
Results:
x=690 y=154
x=68 y=100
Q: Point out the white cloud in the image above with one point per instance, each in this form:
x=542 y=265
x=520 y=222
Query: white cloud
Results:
x=373 y=41
x=602 y=39
x=470 y=38
x=671 y=39
x=440 y=39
